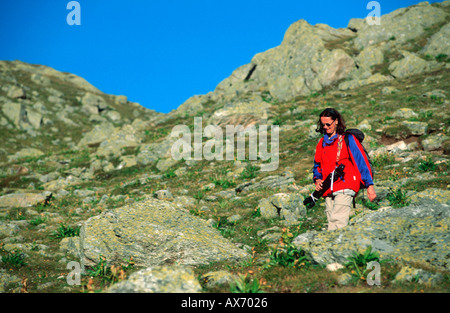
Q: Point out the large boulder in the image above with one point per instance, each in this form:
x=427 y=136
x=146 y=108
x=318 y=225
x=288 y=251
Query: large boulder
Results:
x=159 y=279
x=417 y=234
x=121 y=138
x=335 y=66
x=154 y=232
x=409 y=65
x=14 y=112
x=98 y=134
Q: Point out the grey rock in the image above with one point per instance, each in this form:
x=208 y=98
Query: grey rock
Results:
x=97 y=135
x=164 y=164
x=411 y=274
x=434 y=142
x=70 y=246
x=16 y=92
x=409 y=65
x=93 y=103
x=416 y=128
x=9 y=229
x=22 y=200
x=275 y=182
x=412 y=234
x=438 y=43
x=154 y=232
x=25 y=153
x=120 y=138
x=14 y=112
x=8 y=280
x=288 y=207
x=218 y=278
x=163 y=195
x=159 y=279
x=403 y=24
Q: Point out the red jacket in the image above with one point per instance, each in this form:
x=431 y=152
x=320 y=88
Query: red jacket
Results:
x=357 y=168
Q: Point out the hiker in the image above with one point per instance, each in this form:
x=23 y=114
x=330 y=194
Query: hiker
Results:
x=331 y=151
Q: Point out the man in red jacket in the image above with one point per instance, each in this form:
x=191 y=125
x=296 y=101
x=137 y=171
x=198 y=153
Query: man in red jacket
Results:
x=332 y=151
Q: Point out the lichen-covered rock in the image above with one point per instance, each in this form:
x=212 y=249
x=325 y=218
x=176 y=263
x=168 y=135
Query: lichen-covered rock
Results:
x=413 y=234
x=401 y=25
x=438 y=43
x=411 y=274
x=8 y=280
x=431 y=195
x=26 y=153
x=22 y=200
x=97 y=135
x=280 y=182
x=154 y=232
x=159 y=279
x=288 y=207
x=218 y=278
x=434 y=142
x=409 y=65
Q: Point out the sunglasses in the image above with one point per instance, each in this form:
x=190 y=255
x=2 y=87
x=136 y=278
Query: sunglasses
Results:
x=328 y=124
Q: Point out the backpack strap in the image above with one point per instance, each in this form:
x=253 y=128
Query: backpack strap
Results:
x=341 y=137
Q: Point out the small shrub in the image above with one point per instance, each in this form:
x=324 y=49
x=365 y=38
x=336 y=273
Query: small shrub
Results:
x=286 y=253
x=383 y=159
x=111 y=274
x=398 y=132
x=357 y=262
x=441 y=57
x=397 y=198
x=370 y=205
x=169 y=174
x=245 y=284
x=64 y=231
x=427 y=165
x=249 y=172
x=37 y=221
x=224 y=183
x=14 y=258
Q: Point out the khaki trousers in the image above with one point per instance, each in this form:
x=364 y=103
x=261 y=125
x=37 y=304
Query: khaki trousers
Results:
x=338 y=210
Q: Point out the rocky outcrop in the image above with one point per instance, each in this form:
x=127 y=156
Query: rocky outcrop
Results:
x=409 y=65
x=311 y=58
x=154 y=232
x=439 y=44
x=299 y=66
x=412 y=234
x=402 y=25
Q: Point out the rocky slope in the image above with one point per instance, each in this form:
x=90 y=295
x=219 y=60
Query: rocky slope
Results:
x=86 y=175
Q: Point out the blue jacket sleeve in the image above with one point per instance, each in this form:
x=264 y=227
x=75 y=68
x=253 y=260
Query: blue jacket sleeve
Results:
x=360 y=160
x=317 y=173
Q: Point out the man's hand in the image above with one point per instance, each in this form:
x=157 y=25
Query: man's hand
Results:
x=371 y=193
x=319 y=183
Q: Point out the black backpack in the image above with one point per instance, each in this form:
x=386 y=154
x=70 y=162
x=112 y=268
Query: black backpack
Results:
x=360 y=136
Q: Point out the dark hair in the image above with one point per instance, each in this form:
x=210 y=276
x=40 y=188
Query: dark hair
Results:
x=335 y=115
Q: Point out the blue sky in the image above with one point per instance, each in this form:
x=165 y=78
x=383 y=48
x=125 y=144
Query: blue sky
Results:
x=160 y=52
